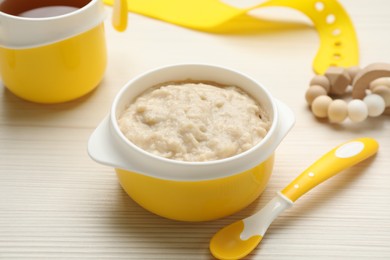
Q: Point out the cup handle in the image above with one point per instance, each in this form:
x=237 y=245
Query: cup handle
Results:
x=102 y=148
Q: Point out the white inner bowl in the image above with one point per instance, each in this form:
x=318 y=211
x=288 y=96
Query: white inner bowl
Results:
x=126 y=155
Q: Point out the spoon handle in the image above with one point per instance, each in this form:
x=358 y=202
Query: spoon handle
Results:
x=119 y=16
x=336 y=160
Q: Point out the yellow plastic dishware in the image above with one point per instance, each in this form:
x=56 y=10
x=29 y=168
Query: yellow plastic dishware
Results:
x=197 y=200
x=52 y=58
x=239 y=239
x=119 y=16
x=57 y=72
x=190 y=191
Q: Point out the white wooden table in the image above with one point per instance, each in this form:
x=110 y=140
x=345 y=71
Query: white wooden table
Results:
x=55 y=202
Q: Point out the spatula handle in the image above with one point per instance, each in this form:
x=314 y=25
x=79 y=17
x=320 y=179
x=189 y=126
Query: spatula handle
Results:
x=336 y=160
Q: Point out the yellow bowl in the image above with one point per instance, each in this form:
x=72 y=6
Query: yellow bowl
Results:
x=197 y=200
x=190 y=191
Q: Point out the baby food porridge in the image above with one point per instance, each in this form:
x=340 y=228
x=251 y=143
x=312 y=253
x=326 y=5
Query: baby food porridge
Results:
x=194 y=121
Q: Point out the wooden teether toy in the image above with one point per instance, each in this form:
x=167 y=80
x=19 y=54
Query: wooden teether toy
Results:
x=370 y=93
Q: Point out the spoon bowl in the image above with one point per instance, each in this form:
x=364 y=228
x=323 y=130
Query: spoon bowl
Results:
x=227 y=243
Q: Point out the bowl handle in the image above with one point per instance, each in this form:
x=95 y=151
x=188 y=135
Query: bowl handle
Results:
x=103 y=149
x=286 y=121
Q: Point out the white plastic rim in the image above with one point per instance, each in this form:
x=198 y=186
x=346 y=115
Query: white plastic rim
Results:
x=109 y=146
x=24 y=32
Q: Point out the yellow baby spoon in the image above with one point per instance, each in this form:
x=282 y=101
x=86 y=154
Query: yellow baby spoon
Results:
x=239 y=239
x=119 y=17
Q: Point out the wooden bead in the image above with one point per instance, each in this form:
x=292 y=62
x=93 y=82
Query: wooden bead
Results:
x=375 y=104
x=339 y=80
x=320 y=106
x=384 y=92
x=321 y=80
x=380 y=82
x=357 y=110
x=366 y=76
x=353 y=71
x=313 y=92
x=337 y=111
x=387 y=111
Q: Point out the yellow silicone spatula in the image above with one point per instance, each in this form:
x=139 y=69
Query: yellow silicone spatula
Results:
x=119 y=16
x=239 y=239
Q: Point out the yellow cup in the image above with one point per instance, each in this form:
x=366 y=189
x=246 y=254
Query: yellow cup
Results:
x=52 y=59
x=190 y=191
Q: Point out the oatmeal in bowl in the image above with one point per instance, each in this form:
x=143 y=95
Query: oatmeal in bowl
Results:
x=194 y=121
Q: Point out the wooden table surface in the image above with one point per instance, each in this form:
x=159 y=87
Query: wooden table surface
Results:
x=55 y=202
